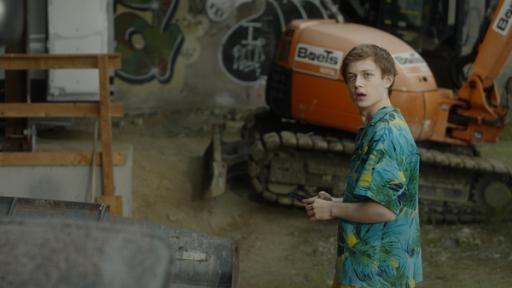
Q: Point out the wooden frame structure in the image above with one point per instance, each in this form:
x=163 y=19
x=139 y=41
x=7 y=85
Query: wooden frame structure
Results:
x=103 y=110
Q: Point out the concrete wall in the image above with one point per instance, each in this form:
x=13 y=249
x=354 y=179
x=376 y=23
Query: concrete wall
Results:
x=182 y=53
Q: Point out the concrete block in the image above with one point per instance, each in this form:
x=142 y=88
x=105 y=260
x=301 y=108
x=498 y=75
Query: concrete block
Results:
x=67 y=183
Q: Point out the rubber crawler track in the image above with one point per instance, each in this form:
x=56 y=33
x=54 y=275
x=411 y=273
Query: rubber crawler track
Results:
x=270 y=145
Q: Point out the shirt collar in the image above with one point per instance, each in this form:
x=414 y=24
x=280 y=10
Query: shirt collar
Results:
x=379 y=114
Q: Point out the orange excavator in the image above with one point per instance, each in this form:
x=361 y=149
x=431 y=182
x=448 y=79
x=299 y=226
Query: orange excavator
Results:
x=303 y=143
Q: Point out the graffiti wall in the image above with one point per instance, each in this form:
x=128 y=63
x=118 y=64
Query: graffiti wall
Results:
x=248 y=47
x=201 y=52
x=156 y=41
x=149 y=47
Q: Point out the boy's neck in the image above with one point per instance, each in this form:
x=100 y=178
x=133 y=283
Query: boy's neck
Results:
x=367 y=114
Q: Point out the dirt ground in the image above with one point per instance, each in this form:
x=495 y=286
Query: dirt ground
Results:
x=280 y=247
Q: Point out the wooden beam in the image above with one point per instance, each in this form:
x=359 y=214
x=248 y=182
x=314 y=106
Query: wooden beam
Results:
x=55 y=61
x=105 y=129
x=103 y=110
x=55 y=158
x=56 y=110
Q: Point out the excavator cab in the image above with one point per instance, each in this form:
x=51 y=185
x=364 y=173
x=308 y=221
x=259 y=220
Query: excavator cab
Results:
x=445 y=33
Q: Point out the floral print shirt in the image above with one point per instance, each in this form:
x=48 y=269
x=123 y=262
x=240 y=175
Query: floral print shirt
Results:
x=384 y=169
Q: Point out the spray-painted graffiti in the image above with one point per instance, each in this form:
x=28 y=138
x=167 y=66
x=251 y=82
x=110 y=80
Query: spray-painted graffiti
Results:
x=148 y=50
x=247 y=47
x=218 y=10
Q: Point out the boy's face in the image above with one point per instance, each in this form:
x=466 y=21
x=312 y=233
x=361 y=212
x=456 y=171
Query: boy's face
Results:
x=368 y=88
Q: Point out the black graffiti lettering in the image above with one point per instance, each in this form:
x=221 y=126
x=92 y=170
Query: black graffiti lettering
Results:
x=274 y=19
x=249 y=54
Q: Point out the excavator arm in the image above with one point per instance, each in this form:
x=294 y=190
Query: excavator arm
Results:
x=483 y=107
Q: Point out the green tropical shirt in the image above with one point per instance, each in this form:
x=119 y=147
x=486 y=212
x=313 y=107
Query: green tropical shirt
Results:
x=384 y=169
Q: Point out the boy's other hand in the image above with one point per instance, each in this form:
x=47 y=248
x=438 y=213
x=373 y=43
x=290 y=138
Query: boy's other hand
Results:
x=325 y=196
x=321 y=195
x=318 y=209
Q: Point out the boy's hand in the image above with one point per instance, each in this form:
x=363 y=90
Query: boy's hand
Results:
x=321 y=195
x=325 y=196
x=318 y=209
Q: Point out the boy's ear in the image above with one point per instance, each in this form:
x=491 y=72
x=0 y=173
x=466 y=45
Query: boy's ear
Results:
x=388 y=80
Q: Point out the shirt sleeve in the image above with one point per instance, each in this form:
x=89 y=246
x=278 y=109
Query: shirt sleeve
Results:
x=381 y=179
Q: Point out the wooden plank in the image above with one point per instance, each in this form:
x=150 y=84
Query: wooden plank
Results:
x=105 y=128
x=55 y=158
x=55 y=110
x=114 y=202
x=16 y=90
x=55 y=61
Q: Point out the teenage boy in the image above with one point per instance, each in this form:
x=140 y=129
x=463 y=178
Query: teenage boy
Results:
x=379 y=231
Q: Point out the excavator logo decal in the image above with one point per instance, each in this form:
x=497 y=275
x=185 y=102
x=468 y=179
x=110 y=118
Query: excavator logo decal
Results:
x=409 y=59
x=319 y=56
x=502 y=23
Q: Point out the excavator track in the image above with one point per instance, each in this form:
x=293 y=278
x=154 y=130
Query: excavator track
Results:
x=453 y=187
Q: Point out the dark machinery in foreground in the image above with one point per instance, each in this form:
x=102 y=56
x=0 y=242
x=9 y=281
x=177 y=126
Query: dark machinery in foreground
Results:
x=48 y=243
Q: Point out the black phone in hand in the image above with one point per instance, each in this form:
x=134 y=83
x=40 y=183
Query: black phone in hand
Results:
x=296 y=196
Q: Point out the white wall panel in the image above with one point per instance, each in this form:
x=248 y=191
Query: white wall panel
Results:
x=77 y=26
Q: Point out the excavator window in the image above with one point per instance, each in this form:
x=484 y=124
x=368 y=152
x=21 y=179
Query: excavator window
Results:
x=442 y=31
